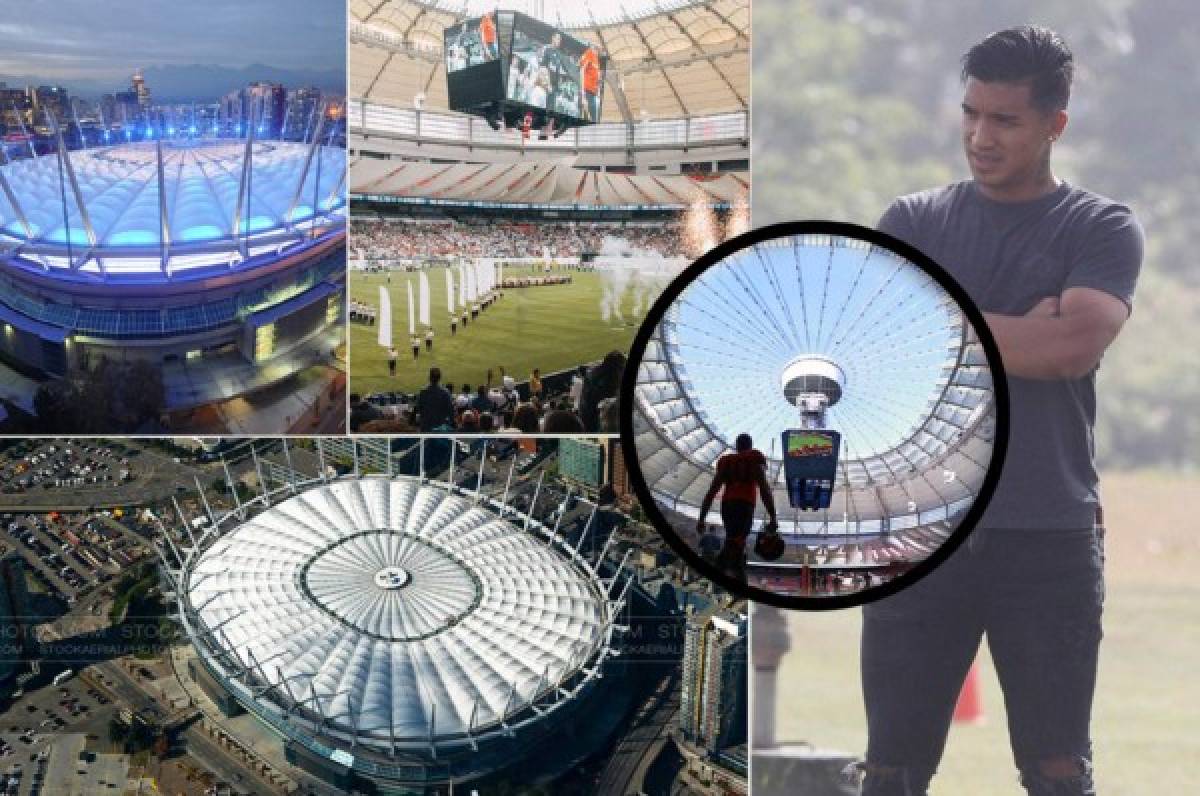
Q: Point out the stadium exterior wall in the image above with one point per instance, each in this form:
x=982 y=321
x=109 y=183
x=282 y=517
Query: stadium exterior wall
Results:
x=59 y=327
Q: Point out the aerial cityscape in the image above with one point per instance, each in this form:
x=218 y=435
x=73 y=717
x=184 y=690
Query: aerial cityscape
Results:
x=321 y=615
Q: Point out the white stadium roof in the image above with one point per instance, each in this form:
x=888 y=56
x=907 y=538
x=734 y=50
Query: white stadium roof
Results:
x=395 y=611
x=543 y=182
x=669 y=59
x=110 y=212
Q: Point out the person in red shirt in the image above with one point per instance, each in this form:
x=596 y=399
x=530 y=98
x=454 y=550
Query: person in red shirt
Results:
x=743 y=476
x=589 y=72
x=487 y=33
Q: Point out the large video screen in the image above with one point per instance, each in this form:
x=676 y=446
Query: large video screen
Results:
x=476 y=51
x=554 y=72
x=471 y=42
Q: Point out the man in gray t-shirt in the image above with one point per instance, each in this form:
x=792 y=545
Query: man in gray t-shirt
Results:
x=1053 y=268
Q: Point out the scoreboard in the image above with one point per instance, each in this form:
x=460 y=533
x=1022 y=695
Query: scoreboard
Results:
x=810 y=459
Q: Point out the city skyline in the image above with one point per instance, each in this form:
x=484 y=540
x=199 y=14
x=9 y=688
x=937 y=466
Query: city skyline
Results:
x=79 y=45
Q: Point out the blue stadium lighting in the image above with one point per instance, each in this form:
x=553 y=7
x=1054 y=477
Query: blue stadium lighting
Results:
x=170 y=131
x=193 y=129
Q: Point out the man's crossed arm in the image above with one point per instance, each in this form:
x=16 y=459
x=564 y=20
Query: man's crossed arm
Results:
x=1062 y=337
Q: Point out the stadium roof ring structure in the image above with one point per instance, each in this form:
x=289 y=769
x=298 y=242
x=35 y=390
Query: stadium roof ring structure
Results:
x=742 y=336
x=391 y=623
x=669 y=60
x=165 y=212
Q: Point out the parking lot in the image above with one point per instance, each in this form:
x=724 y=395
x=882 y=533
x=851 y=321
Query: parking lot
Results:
x=37 y=720
x=67 y=556
x=78 y=474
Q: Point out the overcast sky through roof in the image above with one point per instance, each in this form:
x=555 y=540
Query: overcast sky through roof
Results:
x=880 y=318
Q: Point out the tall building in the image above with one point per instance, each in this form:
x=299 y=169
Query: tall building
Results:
x=53 y=99
x=266 y=105
x=142 y=91
x=303 y=104
x=14 y=107
x=581 y=461
x=126 y=109
x=109 y=114
x=712 y=710
x=618 y=473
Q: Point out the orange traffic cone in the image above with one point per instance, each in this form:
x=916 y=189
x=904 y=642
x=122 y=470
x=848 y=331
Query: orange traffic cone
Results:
x=969 y=709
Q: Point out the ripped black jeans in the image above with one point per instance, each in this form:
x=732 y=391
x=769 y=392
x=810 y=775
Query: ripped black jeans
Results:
x=1037 y=596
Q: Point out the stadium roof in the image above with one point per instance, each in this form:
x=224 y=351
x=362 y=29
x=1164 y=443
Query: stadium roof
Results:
x=544 y=182
x=668 y=59
x=112 y=213
x=395 y=611
x=916 y=412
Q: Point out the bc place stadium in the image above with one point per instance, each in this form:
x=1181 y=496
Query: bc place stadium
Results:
x=395 y=632
x=220 y=259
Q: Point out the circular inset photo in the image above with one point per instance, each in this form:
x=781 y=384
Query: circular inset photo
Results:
x=814 y=414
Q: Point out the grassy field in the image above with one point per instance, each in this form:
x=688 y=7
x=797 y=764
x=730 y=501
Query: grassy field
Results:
x=551 y=328
x=1144 y=723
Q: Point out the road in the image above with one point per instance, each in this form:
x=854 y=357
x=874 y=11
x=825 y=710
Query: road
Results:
x=643 y=740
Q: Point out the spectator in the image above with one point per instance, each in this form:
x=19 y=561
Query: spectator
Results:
x=525 y=419
x=604 y=381
x=482 y=402
x=361 y=412
x=561 y=421
x=435 y=405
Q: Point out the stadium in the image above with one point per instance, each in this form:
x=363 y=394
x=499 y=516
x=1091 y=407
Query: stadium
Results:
x=396 y=632
x=575 y=228
x=895 y=367
x=219 y=260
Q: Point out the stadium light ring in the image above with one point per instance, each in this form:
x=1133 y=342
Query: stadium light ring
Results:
x=729 y=248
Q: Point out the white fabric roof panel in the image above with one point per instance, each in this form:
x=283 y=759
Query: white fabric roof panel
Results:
x=201 y=179
x=403 y=607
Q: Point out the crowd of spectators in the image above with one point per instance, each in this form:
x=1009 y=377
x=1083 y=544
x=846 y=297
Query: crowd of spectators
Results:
x=584 y=401
x=373 y=241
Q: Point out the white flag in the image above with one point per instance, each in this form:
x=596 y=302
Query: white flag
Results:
x=412 y=316
x=423 y=298
x=385 y=317
x=450 y=290
x=462 y=284
x=472 y=283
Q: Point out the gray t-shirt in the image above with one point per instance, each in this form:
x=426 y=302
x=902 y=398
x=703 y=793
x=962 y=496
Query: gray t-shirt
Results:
x=1009 y=256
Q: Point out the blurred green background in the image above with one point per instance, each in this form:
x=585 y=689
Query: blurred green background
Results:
x=855 y=103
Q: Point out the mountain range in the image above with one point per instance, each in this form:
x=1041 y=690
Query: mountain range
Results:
x=194 y=83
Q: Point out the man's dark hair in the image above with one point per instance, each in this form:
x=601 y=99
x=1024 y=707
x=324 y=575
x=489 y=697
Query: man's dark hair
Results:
x=355 y=398
x=435 y=375
x=1028 y=53
x=743 y=442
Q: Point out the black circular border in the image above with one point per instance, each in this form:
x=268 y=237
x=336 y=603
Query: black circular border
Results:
x=845 y=230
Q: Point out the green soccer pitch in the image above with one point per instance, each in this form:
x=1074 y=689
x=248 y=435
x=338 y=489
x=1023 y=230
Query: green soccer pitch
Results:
x=552 y=327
